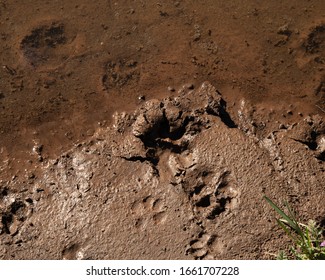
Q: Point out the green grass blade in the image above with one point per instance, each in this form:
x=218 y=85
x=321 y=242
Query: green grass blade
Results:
x=307 y=237
x=282 y=225
x=294 y=220
x=282 y=214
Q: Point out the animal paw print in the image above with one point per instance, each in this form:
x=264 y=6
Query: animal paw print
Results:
x=199 y=247
x=315 y=41
x=215 y=198
x=148 y=212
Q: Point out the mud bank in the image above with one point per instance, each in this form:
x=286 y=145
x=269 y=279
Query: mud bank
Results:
x=113 y=145
x=178 y=178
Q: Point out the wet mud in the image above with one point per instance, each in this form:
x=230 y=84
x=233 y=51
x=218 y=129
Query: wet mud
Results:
x=148 y=130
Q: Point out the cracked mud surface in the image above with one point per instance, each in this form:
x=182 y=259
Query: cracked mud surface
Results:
x=146 y=130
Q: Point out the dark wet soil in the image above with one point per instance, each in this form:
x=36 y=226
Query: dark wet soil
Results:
x=76 y=75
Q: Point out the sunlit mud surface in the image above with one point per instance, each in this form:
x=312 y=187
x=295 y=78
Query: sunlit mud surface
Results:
x=152 y=130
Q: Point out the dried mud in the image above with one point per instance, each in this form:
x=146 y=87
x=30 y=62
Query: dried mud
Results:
x=147 y=130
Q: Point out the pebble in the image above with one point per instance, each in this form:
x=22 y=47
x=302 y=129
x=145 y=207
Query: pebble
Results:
x=171 y=89
x=284 y=30
x=190 y=86
x=38 y=149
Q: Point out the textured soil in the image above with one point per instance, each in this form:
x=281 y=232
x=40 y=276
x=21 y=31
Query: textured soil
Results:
x=152 y=130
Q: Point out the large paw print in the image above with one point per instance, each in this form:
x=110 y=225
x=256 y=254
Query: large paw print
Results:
x=214 y=199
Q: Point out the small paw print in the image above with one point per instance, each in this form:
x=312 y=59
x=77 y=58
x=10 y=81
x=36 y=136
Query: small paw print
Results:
x=148 y=212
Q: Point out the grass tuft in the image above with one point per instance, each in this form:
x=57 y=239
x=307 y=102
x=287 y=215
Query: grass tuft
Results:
x=307 y=238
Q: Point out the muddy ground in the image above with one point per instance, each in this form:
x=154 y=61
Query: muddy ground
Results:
x=152 y=130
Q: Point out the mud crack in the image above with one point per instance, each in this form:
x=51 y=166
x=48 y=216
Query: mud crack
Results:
x=152 y=161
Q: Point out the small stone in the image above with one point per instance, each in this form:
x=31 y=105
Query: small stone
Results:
x=321 y=145
x=309 y=120
x=190 y=86
x=284 y=30
x=171 y=89
x=38 y=149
